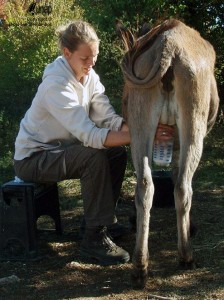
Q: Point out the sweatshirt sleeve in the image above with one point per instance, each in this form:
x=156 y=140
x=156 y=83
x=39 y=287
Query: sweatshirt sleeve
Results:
x=62 y=103
x=101 y=111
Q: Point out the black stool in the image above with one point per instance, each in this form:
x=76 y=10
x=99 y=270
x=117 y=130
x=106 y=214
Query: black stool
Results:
x=21 y=205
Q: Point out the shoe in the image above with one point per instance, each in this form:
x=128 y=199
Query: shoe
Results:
x=115 y=230
x=96 y=244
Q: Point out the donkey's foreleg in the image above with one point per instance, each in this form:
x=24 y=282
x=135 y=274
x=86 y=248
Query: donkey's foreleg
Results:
x=143 y=202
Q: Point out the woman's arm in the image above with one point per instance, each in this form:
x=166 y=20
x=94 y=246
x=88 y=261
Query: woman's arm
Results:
x=117 y=138
x=122 y=137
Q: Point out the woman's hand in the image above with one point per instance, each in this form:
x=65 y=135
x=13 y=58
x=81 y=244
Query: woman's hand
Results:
x=164 y=132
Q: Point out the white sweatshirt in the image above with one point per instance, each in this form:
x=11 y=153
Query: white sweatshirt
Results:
x=64 y=112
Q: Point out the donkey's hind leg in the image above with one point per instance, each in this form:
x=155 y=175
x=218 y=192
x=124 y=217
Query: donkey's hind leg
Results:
x=191 y=145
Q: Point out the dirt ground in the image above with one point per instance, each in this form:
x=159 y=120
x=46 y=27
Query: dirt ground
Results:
x=61 y=273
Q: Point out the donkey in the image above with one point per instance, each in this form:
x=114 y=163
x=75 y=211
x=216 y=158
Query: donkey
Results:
x=169 y=79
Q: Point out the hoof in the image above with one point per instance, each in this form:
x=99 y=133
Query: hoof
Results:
x=191 y=265
x=138 y=279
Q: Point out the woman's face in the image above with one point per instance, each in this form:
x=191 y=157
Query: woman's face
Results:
x=83 y=59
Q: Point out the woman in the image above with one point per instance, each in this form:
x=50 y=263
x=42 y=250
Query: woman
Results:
x=72 y=131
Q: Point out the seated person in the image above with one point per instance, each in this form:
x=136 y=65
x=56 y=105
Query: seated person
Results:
x=72 y=131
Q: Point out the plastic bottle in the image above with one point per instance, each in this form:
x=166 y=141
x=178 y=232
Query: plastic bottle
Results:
x=162 y=152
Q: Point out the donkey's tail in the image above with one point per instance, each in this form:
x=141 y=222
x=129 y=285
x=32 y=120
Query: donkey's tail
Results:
x=157 y=49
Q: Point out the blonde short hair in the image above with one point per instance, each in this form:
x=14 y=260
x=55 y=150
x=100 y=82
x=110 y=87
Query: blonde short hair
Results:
x=75 y=33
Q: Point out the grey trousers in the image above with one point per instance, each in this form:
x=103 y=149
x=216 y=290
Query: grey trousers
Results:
x=101 y=174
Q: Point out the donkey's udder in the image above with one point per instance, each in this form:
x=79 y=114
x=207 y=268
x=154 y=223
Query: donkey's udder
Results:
x=168 y=110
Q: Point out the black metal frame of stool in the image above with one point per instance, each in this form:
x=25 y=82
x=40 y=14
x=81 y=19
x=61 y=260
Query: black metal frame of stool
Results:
x=21 y=205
